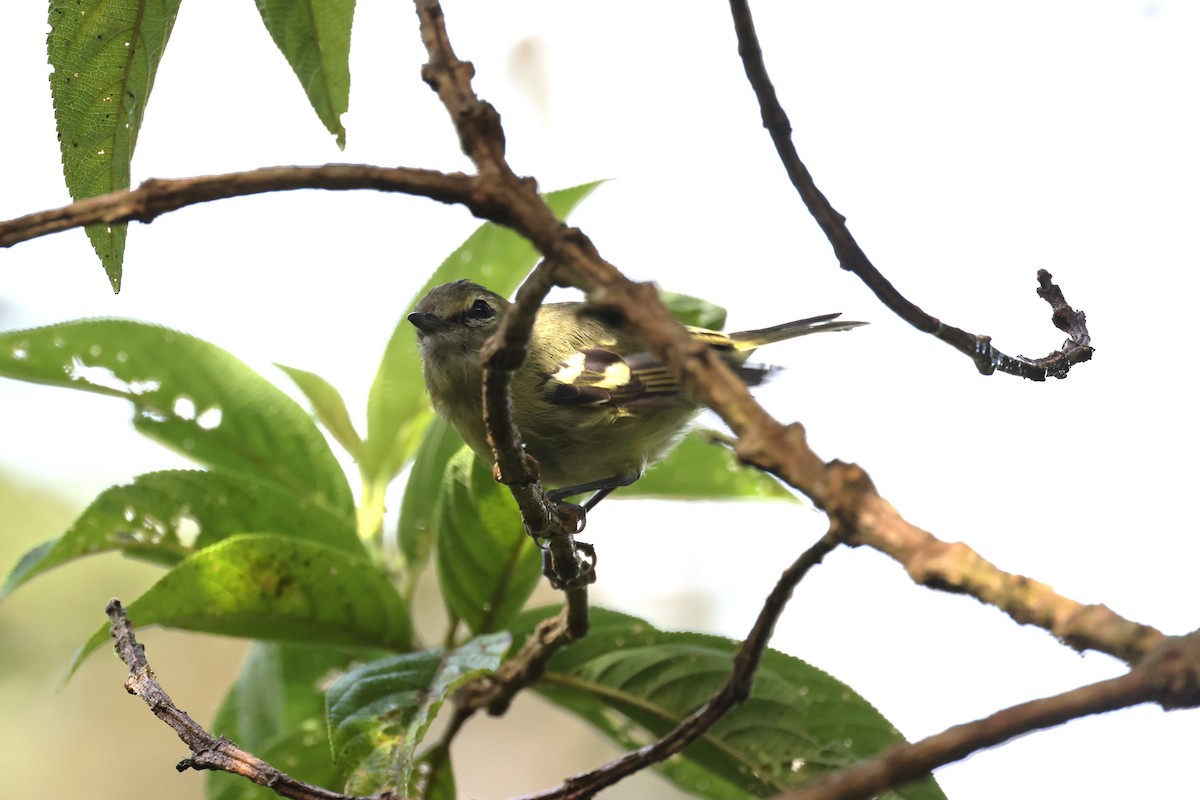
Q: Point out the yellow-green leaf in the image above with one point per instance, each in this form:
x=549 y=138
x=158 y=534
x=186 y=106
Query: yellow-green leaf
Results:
x=267 y=586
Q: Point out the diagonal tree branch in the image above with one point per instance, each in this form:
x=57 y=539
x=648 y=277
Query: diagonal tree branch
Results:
x=852 y=258
x=732 y=693
x=208 y=751
x=1170 y=676
x=844 y=491
x=954 y=567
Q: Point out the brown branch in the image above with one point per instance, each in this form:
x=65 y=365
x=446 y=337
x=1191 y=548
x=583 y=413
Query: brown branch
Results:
x=208 y=751
x=545 y=520
x=955 y=567
x=482 y=139
x=496 y=691
x=552 y=522
x=159 y=196
x=846 y=492
x=842 y=490
x=851 y=256
x=1170 y=676
x=732 y=693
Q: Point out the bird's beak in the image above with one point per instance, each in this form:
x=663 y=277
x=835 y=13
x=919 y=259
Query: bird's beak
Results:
x=427 y=323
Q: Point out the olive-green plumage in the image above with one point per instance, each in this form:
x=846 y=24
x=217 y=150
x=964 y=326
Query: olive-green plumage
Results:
x=593 y=406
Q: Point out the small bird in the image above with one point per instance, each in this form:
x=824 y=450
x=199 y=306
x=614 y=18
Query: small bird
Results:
x=593 y=405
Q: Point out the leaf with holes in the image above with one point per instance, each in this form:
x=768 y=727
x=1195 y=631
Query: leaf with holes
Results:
x=636 y=683
x=267 y=586
x=165 y=516
x=105 y=54
x=486 y=564
x=315 y=40
x=189 y=395
x=378 y=714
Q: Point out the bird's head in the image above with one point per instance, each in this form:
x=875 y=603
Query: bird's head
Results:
x=457 y=317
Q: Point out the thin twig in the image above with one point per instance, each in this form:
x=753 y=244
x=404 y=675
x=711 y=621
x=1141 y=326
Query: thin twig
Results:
x=495 y=692
x=208 y=751
x=159 y=196
x=732 y=693
x=850 y=255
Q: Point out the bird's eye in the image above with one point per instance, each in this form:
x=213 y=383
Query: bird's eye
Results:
x=480 y=310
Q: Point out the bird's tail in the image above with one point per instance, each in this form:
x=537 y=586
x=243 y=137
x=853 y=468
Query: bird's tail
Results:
x=750 y=340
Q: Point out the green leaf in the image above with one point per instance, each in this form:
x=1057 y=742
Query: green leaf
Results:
x=267 y=586
x=486 y=564
x=700 y=469
x=189 y=395
x=166 y=516
x=379 y=713
x=328 y=407
x=798 y=723
x=276 y=710
x=443 y=787
x=418 y=508
x=315 y=40
x=694 y=311
x=397 y=409
x=105 y=54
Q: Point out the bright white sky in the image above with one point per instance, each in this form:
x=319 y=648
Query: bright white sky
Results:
x=967 y=146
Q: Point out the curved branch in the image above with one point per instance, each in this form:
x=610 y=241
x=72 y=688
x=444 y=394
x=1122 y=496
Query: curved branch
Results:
x=159 y=196
x=732 y=693
x=852 y=258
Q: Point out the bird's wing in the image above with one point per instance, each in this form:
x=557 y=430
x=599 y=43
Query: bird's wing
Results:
x=600 y=377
